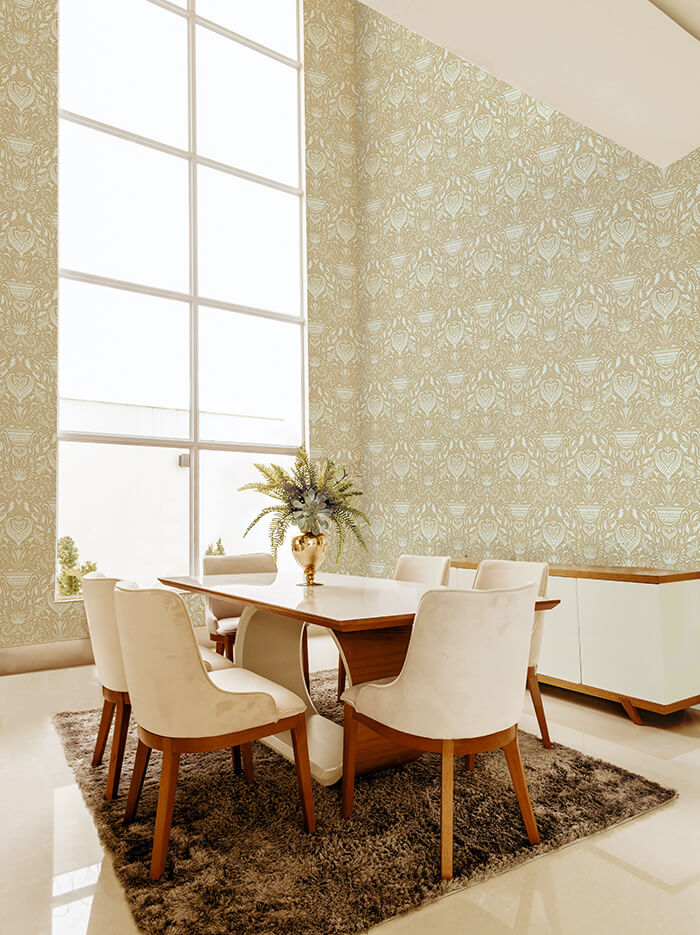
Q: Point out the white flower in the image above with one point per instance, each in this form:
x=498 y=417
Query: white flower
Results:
x=311 y=513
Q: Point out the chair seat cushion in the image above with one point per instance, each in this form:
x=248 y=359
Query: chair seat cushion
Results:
x=243 y=680
x=213 y=661
x=227 y=625
x=349 y=696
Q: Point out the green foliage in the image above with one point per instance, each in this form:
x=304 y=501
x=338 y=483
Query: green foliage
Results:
x=309 y=491
x=217 y=549
x=71 y=573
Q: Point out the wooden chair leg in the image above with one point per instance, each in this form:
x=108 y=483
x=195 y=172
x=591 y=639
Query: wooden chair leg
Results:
x=237 y=760
x=247 y=758
x=121 y=729
x=164 y=814
x=517 y=775
x=305 y=657
x=471 y=761
x=103 y=731
x=534 y=688
x=230 y=639
x=447 y=810
x=341 y=677
x=301 y=760
x=349 y=759
x=143 y=755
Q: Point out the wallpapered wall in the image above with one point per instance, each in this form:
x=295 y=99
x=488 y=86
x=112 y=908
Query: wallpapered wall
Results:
x=529 y=304
x=335 y=331
x=502 y=311
x=28 y=287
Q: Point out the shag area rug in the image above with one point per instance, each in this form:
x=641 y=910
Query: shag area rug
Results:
x=240 y=862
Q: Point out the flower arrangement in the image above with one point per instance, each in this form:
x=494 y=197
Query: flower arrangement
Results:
x=313 y=497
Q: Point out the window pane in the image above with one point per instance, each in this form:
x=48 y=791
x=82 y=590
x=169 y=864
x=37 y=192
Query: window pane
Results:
x=122 y=209
x=125 y=64
x=246 y=109
x=225 y=512
x=272 y=23
x=248 y=243
x=123 y=362
x=249 y=379
x=126 y=507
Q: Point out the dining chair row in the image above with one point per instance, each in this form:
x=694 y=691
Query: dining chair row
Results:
x=434 y=571
x=145 y=645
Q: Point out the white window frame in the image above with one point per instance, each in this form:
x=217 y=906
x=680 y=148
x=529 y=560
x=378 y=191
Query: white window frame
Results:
x=193 y=444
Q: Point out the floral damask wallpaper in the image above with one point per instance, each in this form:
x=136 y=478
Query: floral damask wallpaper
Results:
x=528 y=299
x=28 y=286
x=503 y=313
x=335 y=338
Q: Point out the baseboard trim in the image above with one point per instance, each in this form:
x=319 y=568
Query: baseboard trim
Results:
x=35 y=657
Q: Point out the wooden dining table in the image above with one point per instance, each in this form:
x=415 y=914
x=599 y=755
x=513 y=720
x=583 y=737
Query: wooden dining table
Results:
x=370 y=620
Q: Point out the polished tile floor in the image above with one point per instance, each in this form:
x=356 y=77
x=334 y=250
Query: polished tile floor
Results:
x=643 y=877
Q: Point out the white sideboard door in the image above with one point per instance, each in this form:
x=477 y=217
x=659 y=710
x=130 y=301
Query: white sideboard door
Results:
x=560 y=655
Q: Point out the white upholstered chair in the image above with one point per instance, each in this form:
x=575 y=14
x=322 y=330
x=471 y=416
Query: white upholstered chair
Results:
x=460 y=691
x=181 y=708
x=223 y=616
x=495 y=573
x=98 y=598
x=431 y=570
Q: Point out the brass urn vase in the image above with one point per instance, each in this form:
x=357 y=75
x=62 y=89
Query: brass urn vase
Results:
x=310 y=551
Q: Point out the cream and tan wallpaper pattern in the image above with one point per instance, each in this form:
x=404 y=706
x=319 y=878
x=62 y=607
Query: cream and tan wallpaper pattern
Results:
x=28 y=285
x=528 y=299
x=335 y=364
x=502 y=313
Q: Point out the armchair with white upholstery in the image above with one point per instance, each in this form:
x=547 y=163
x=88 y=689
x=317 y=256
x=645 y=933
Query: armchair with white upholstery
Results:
x=98 y=598
x=496 y=573
x=460 y=692
x=181 y=708
x=431 y=570
x=223 y=616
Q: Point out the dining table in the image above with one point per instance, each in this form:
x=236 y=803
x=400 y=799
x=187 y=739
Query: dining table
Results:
x=370 y=619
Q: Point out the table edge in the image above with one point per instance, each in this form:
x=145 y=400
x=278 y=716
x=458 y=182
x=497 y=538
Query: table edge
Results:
x=365 y=623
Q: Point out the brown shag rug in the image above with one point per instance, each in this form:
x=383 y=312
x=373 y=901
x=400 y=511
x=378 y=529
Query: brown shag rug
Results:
x=240 y=862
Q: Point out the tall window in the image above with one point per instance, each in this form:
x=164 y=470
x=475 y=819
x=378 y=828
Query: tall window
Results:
x=181 y=280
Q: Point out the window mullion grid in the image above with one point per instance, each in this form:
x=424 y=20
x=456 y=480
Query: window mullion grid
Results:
x=193 y=444
x=194 y=288
x=301 y=138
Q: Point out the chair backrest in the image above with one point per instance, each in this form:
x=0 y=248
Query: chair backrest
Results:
x=498 y=573
x=464 y=673
x=170 y=691
x=432 y=570
x=250 y=564
x=98 y=598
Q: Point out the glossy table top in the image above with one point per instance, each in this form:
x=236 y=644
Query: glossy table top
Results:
x=343 y=602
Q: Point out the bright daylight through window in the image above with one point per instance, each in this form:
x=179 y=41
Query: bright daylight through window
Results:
x=181 y=302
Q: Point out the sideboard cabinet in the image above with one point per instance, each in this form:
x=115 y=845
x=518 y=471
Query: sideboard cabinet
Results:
x=631 y=635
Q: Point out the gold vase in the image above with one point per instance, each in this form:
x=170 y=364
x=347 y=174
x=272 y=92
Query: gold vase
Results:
x=310 y=551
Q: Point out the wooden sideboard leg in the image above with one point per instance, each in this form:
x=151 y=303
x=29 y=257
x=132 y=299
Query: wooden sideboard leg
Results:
x=631 y=711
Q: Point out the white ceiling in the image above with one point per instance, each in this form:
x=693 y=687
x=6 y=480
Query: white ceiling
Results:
x=624 y=68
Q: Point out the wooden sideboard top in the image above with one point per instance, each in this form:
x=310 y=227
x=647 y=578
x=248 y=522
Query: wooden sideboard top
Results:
x=605 y=572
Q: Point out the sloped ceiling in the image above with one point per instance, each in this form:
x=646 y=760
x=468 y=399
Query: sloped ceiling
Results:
x=624 y=68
